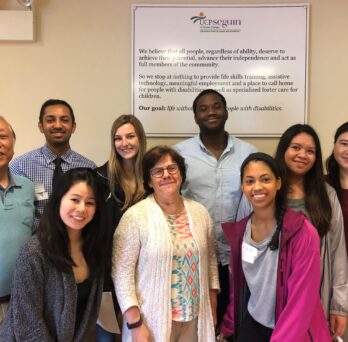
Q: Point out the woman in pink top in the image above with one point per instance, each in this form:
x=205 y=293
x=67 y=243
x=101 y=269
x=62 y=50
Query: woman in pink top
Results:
x=290 y=244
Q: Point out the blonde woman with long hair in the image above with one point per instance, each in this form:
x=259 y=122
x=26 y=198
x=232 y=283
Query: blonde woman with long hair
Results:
x=122 y=180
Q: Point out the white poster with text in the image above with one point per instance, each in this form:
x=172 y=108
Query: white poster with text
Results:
x=255 y=55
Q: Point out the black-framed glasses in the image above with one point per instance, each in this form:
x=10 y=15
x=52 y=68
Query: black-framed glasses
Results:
x=158 y=172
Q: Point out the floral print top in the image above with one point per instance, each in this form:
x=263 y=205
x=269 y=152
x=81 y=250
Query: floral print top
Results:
x=185 y=269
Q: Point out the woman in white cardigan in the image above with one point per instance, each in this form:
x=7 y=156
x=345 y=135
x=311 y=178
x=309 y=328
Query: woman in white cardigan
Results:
x=164 y=263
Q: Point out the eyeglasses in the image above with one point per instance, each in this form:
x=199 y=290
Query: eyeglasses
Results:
x=159 y=171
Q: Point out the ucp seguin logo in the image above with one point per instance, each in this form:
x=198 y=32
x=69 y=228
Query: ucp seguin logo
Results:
x=216 y=24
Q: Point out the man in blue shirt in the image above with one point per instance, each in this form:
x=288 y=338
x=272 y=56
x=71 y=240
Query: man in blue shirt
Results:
x=16 y=214
x=57 y=123
x=213 y=161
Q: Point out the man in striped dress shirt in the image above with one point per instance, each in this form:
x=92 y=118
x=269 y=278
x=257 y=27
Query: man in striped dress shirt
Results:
x=57 y=123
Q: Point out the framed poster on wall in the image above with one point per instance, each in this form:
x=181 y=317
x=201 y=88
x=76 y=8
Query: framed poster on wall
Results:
x=255 y=55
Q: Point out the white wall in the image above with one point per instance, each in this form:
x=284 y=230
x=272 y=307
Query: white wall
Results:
x=82 y=53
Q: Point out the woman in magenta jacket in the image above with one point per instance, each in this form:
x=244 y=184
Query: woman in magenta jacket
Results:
x=275 y=265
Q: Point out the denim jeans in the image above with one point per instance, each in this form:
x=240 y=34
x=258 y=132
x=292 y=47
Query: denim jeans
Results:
x=103 y=335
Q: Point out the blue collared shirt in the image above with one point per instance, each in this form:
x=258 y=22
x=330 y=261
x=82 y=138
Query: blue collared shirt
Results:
x=38 y=166
x=216 y=184
x=16 y=218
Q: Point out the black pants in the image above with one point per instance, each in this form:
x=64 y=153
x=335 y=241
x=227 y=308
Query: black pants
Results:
x=253 y=331
x=223 y=297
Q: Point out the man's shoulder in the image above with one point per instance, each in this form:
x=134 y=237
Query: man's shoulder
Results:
x=23 y=164
x=22 y=181
x=28 y=156
x=82 y=161
x=241 y=145
x=187 y=146
x=185 y=143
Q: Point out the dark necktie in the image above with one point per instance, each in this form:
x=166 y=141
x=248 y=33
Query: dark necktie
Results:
x=57 y=172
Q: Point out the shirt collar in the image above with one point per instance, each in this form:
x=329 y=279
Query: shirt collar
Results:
x=12 y=180
x=11 y=183
x=229 y=146
x=50 y=156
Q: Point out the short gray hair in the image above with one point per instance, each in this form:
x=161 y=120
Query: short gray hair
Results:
x=10 y=127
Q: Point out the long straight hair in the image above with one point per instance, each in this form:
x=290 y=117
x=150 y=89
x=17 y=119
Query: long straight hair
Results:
x=332 y=167
x=317 y=200
x=53 y=235
x=116 y=172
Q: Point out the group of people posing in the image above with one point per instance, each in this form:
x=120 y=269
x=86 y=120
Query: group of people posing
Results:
x=208 y=240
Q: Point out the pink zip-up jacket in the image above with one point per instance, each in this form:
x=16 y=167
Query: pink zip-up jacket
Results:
x=299 y=315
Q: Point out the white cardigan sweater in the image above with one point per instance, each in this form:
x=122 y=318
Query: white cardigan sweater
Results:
x=142 y=266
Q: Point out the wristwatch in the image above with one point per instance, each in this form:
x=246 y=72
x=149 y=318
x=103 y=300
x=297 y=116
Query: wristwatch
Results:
x=136 y=324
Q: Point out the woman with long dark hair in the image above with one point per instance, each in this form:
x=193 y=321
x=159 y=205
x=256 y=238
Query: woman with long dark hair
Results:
x=58 y=279
x=337 y=176
x=275 y=265
x=337 y=171
x=300 y=160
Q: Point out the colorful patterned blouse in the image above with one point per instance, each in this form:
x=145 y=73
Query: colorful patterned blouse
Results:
x=185 y=269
